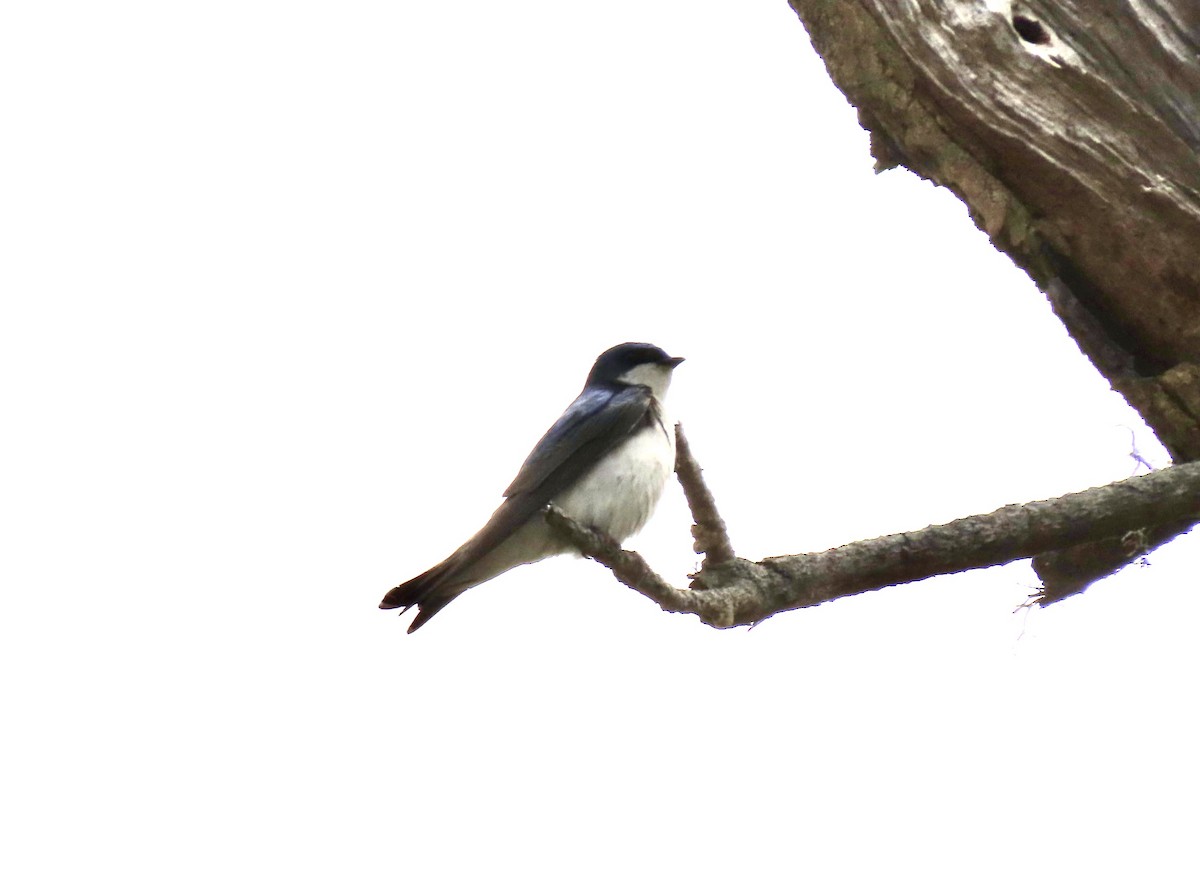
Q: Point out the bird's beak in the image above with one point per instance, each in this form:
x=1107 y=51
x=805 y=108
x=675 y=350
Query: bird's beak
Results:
x=672 y=361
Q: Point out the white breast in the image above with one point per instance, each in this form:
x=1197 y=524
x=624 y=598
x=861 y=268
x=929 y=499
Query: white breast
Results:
x=618 y=495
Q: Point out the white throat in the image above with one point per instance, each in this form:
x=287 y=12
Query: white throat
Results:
x=653 y=375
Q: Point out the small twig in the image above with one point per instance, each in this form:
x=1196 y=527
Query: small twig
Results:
x=710 y=535
x=1138 y=461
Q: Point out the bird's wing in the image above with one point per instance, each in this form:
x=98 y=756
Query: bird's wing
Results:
x=592 y=426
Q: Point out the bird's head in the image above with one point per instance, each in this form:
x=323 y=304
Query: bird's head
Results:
x=634 y=363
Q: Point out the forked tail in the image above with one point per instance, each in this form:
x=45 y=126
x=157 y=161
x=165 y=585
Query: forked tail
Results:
x=427 y=592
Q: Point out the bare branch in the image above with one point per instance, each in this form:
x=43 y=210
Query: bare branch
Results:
x=741 y=592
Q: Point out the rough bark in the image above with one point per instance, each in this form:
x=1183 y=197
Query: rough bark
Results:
x=1071 y=130
x=741 y=592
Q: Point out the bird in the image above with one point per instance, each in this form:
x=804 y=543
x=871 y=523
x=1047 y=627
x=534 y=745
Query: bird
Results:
x=604 y=463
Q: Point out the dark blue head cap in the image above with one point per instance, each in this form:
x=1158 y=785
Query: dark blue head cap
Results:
x=618 y=360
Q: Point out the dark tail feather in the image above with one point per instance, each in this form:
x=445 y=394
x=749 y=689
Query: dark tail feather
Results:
x=425 y=592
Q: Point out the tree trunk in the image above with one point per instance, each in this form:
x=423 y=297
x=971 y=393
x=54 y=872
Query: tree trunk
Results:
x=1071 y=130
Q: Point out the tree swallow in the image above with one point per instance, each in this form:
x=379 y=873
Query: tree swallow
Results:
x=604 y=463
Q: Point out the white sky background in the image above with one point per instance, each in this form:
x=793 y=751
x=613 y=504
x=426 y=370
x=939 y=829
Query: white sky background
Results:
x=291 y=289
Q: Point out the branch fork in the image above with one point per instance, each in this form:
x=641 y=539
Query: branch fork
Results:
x=730 y=591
